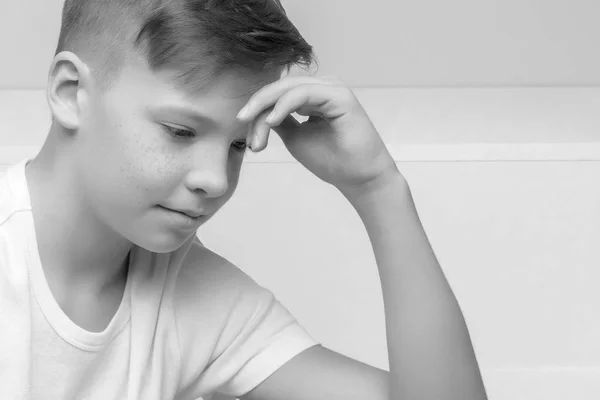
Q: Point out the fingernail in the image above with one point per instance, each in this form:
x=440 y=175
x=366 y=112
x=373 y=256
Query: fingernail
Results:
x=243 y=113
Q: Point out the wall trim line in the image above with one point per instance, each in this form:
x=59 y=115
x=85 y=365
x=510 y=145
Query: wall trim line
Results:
x=455 y=152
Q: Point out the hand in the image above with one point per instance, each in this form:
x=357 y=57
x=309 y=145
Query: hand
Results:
x=338 y=143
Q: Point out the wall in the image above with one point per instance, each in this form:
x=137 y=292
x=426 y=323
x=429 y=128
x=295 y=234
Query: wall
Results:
x=504 y=174
x=387 y=43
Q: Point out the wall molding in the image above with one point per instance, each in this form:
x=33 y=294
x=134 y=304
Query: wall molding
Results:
x=463 y=152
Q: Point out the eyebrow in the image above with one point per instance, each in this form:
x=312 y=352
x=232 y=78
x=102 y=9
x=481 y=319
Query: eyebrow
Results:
x=187 y=112
x=192 y=114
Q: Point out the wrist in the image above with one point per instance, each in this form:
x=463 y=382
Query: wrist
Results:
x=389 y=183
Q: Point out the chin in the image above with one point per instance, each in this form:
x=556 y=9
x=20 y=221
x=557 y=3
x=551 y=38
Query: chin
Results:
x=165 y=243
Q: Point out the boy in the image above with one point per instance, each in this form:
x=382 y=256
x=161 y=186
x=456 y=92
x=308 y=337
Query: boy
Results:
x=105 y=290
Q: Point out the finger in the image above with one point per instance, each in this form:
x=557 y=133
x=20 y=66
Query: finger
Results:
x=333 y=79
x=269 y=94
x=259 y=132
x=320 y=99
x=287 y=127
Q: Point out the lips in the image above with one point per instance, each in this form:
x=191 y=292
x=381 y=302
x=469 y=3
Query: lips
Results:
x=189 y=213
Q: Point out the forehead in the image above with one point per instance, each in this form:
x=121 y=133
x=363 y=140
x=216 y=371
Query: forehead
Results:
x=226 y=87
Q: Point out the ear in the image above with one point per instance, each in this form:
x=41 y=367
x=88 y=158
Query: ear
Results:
x=68 y=84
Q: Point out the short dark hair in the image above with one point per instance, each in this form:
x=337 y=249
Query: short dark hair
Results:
x=197 y=39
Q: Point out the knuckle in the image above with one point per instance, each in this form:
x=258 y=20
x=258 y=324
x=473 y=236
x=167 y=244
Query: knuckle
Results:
x=346 y=93
x=333 y=79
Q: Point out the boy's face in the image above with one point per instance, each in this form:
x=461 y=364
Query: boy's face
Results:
x=131 y=168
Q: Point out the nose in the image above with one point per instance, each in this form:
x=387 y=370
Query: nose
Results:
x=209 y=172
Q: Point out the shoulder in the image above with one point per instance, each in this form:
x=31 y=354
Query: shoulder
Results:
x=14 y=195
x=205 y=273
x=6 y=198
x=213 y=297
x=232 y=331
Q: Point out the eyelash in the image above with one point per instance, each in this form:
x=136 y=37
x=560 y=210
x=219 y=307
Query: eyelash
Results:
x=187 y=134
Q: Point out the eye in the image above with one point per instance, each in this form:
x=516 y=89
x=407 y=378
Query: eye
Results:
x=239 y=146
x=178 y=132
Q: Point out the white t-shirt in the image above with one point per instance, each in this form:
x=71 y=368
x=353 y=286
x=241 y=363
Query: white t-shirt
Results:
x=190 y=324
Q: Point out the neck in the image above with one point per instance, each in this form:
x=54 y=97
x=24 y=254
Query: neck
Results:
x=76 y=248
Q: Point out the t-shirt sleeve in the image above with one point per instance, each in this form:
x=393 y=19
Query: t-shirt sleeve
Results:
x=251 y=333
x=269 y=339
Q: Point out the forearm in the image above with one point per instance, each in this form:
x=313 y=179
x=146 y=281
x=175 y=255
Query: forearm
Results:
x=430 y=352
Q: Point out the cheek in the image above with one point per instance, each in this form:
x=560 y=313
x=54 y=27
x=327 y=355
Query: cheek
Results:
x=235 y=168
x=132 y=143
x=233 y=176
x=135 y=160
x=148 y=162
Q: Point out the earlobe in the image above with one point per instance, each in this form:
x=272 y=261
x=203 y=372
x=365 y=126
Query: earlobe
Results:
x=65 y=78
